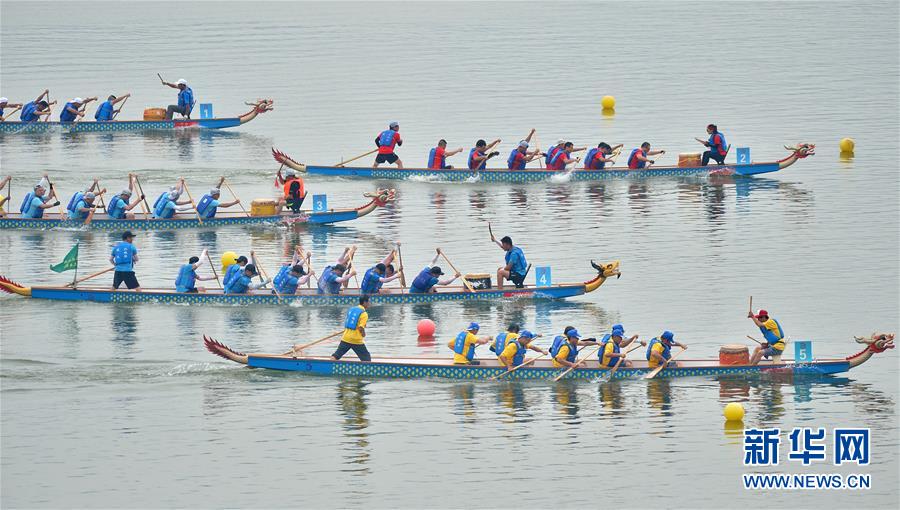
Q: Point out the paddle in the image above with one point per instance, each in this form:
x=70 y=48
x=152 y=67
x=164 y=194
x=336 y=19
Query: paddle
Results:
x=221 y=182
x=215 y=273
x=160 y=79
x=53 y=191
x=90 y=216
x=755 y=340
x=659 y=369
x=537 y=145
x=513 y=369
x=350 y=264
x=577 y=363
x=300 y=348
x=116 y=112
x=98 y=273
x=400 y=261
x=49 y=110
x=308 y=269
x=143 y=197
x=96 y=185
x=622 y=362
x=8 y=115
x=262 y=273
x=751 y=304
x=342 y=163
x=463 y=278
x=194 y=205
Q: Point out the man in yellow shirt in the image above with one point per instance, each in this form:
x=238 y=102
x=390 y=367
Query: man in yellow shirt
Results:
x=464 y=344
x=612 y=344
x=565 y=348
x=513 y=354
x=774 y=335
x=660 y=349
x=355 y=332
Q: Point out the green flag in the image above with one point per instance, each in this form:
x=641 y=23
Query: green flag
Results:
x=70 y=262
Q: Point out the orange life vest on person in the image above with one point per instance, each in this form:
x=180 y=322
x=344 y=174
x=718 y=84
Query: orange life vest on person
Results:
x=289 y=182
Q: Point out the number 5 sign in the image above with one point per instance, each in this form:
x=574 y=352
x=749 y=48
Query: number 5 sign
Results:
x=542 y=277
x=743 y=155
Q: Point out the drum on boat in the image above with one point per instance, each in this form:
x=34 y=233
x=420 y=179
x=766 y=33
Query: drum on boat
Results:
x=262 y=207
x=154 y=114
x=689 y=159
x=479 y=280
x=734 y=354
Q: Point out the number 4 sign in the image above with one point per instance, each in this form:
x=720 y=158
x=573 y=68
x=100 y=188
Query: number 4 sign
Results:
x=542 y=277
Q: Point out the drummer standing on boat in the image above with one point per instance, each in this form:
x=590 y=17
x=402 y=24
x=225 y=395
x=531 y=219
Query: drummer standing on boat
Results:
x=185 y=99
x=107 y=109
x=437 y=158
x=386 y=141
x=718 y=149
x=639 y=157
x=516 y=266
x=355 y=332
x=774 y=335
x=32 y=111
x=123 y=256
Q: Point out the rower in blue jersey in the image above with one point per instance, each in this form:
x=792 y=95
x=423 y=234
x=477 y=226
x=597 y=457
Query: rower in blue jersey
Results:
x=74 y=109
x=4 y=104
x=185 y=99
x=32 y=111
x=463 y=346
x=168 y=203
x=659 y=349
x=107 y=109
x=124 y=255
x=291 y=276
x=481 y=153
x=337 y=275
x=243 y=283
x=187 y=274
x=611 y=345
x=209 y=204
x=598 y=157
x=427 y=278
x=772 y=332
x=513 y=354
x=120 y=206
x=437 y=158
x=718 y=147
x=516 y=267
x=81 y=205
x=233 y=270
x=379 y=274
x=37 y=200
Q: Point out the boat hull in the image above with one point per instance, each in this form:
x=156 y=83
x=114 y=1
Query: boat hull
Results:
x=16 y=127
x=14 y=223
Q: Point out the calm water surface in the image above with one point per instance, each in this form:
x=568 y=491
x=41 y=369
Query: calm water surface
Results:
x=120 y=406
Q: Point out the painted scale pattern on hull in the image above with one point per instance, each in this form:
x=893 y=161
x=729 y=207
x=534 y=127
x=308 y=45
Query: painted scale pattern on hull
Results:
x=123 y=125
x=173 y=224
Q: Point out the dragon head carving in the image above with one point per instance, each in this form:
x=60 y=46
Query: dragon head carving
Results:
x=607 y=270
x=382 y=196
x=802 y=150
x=262 y=105
x=877 y=342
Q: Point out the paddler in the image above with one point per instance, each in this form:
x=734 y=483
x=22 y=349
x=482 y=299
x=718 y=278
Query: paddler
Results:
x=291 y=276
x=561 y=158
x=639 y=157
x=521 y=156
x=552 y=151
x=437 y=158
x=107 y=109
x=209 y=203
x=516 y=265
x=233 y=271
x=118 y=207
x=185 y=99
x=294 y=190
x=598 y=157
x=37 y=200
x=4 y=104
x=355 y=332
x=772 y=332
x=659 y=349
x=565 y=348
x=187 y=275
x=718 y=148
x=428 y=277
x=124 y=255
x=3 y=198
x=611 y=346
x=167 y=205
x=74 y=109
x=244 y=281
x=386 y=141
x=336 y=275
x=379 y=274
x=479 y=156
x=500 y=341
x=513 y=354
x=81 y=207
x=463 y=346
x=32 y=111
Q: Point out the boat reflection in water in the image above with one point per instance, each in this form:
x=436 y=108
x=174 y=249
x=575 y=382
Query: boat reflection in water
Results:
x=352 y=395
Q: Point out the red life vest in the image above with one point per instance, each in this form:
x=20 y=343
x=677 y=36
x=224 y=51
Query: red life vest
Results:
x=387 y=140
x=437 y=158
x=633 y=162
x=556 y=162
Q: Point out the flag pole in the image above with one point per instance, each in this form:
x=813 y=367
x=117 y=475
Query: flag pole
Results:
x=75 y=279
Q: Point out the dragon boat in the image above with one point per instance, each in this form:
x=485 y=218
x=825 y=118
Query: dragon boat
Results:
x=144 y=222
x=16 y=127
x=311 y=296
x=800 y=151
x=443 y=368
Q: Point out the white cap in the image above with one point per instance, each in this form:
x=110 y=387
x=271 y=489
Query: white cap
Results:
x=560 y=142
x=78 y=100
x=3 y=100
x=39 y=185
x=290 y=171
x=173 y=195
x=214 y=191
x=181 y=82
x=125 y=192
x=523 y=143
x=394 y=124
x=89 y=194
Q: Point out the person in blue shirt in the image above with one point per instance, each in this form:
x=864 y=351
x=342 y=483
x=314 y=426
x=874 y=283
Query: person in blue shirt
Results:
x=32 y=111
x=4 y=104
x=74 y=109
x=36 y=201
x=124 y=255
x=83 y=206
x=291 y=276
x=107 y=109
x=167 y=205
x=516 y=266
x=209 y=203
x=379 y=274
x=118 y=207
x=336 y=276
x=187 y=275
x=427 y=278
x=185 y=99
x=244 y=282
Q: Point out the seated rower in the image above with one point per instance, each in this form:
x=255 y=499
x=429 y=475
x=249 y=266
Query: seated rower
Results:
x=243 y=282
x=36 y=201
x=118 y=207
x=513 y=354
x=187 y=275
x=500 y=341
x=74 y=109
x=381 y=273
x=565 y=348
x=292 y=275
x=598 y=157
x=552 y=151
x=427 y=278
x=660 y=349
x=32 y=111
x=107 y=109
x=561 y=157
x=209 y=204
x=772 y=332
x=294 y=190
x=464 y=344
x=479 y=156
x=81 y=205
x=167 y=205
x=718 y=148
x=3 y=182
x=4 y=104
x=516 y=265
x=521 y=156
x=437 y=158
x=610 y=352
x=386 y=141
x=336 y=275
x=233 y=271
x=354 y=336
x=638 y=158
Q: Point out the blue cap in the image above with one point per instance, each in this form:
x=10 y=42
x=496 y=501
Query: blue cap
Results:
x=618 y=328
x=573 y=333
x=526 y=334
x=667 y=336
x=473 y=325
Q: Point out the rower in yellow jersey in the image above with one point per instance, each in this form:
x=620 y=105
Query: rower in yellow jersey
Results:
x=774 y=335
x=660 y=349
x=355 y=332
x=612 y=344
x=565 y=347
x=513 y=354
x=464 y=344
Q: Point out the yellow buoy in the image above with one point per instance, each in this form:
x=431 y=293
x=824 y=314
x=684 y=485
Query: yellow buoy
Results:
x=734 y=412
x=608 y=112
x=847 y=145
x=608 y=102
x=228 y=258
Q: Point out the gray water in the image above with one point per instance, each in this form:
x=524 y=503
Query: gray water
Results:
x=120 y=405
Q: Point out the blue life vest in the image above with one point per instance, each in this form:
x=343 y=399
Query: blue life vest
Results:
x=281 y=276
x=353 y=315
x=606 y=339
x=104 y=112
x=159 y=208
x=122 y=253
x=29 y=112
x=371 y=282
x=186 y=99
x=771 y=337
x=511 y=161
x=203 y=205
x=186 y=278
x=459 y=346
x=560 y=341
x=26 y=203
x=555 y=158
x=423 y=281
x=72 y=207
x=65 y=115
x=550 y=154
x=116 y=207
x=161 y=198
x=720 y=147
x=386 y=138
x=519 y=356
x=431 y=159
x=232 y=272
x=325 y=285
x=633 y=162
x=238 y=285
x=667 y=349
x=592 y=155
x=75 y=214
x=499 y=343
x=481 y=165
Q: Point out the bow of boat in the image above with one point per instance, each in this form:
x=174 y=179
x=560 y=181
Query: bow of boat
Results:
x=11 y=287
x=876 y=343
x=604 y=272
x=259 y=106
